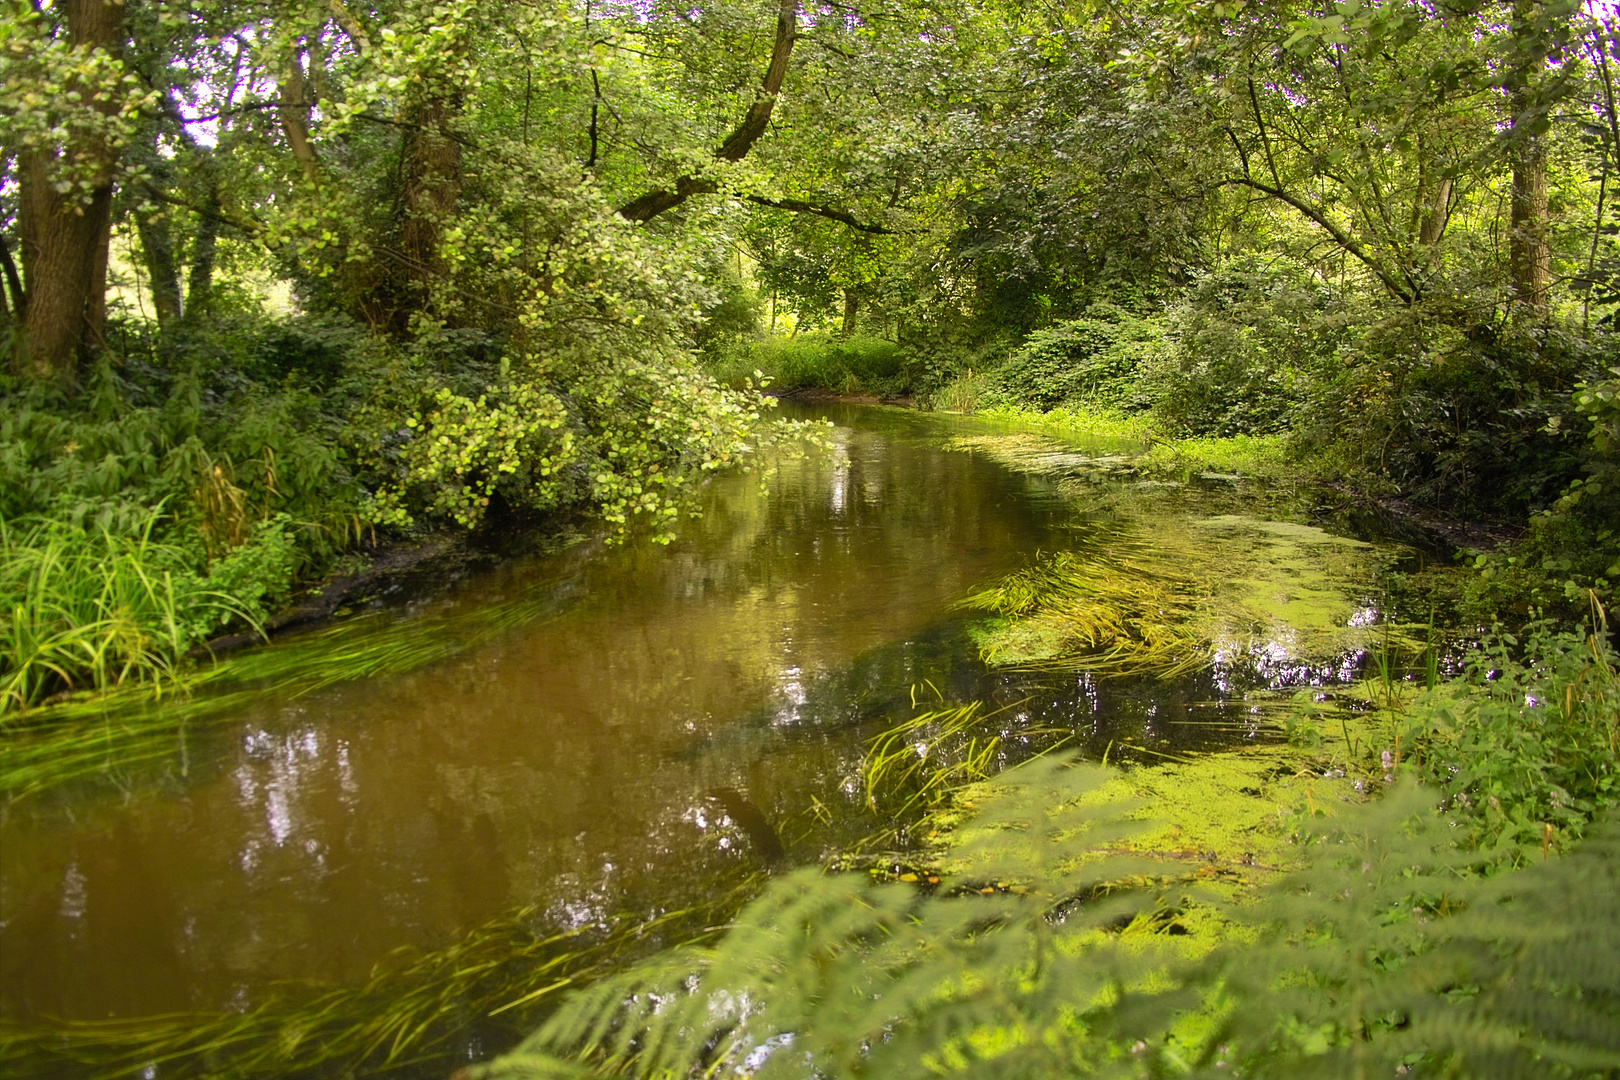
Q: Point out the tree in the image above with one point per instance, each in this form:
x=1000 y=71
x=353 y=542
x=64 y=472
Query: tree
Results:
x=71 y=105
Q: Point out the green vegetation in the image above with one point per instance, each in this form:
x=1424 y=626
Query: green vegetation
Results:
x=281 y=285
x=1056 y=934
x=854 y=365
x=337 y=275
x=1075 y=612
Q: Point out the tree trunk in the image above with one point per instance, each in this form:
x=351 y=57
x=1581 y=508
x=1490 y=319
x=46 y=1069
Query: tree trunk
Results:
x=1529 y=261
x=294 y=109
x=1528 y=255
x=428 y=194
x=157 y=245
x=200 y=280
x=852 y=308
x=432 y=184
x=1439 y=211
x=65 y=235
x=16 y=303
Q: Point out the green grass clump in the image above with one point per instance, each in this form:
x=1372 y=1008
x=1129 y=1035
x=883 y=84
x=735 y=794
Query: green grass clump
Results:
x=1074 y=420
x=1252 y=456
x=1088 y=612
x=96 y=609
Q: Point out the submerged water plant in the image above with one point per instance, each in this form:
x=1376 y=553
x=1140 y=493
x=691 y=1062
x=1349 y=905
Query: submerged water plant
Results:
x=418 y=1014
x=1087 y=611
x=135 y=734
x=1384 y=954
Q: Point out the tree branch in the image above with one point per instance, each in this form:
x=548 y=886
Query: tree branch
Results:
x=1342 y=238
x=294 y=112
x=798 y=206
x=351 y=25
x=649 y=205
x=246 y=225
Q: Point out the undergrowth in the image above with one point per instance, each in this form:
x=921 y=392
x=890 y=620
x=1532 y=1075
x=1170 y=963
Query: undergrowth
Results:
x=852 y=365
x=1424 y=931
x=99 y=608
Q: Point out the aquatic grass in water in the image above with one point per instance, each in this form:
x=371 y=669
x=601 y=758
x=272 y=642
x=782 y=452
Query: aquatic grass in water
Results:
x=1164 y=576
x=919 y=763
x=1086 y=612
x=134 y=735
x=1384 y=952
x=420 y=1013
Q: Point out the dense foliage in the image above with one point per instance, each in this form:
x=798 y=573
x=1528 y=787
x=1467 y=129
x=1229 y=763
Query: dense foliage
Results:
x=502 y=236
x=283 y=281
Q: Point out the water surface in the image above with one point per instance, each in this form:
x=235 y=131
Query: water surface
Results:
x=572 y=760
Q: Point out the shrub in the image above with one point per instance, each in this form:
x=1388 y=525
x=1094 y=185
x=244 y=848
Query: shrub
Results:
x=850 y=365
x=1524 y=743
x=1248 y=341
x=1092 y=360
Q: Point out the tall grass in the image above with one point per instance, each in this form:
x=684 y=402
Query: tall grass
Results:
x=95 y=608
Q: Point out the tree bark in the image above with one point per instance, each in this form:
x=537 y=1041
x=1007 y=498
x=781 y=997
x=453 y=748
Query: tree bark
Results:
x=65 y=235
x=429 y=191
x=1437 y=215
x=200 y=279
x=17 y=301
x=852 y=309
x=1529 y=257
x=294 y=107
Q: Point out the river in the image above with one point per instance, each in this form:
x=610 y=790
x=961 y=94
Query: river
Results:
x=647 y=727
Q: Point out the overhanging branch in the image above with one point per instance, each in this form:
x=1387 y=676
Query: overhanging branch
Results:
x=649 y=205
x=799 y=206
x=1322 y=221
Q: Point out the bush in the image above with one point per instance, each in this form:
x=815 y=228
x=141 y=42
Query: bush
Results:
x=852 y=365
x=1524 y=743
x=1094 y=360
x=1248 y=342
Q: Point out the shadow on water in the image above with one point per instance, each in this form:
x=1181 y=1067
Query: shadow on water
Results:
x=590 y=755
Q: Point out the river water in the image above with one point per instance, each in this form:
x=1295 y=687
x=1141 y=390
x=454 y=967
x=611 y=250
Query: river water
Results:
x=618 y=746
